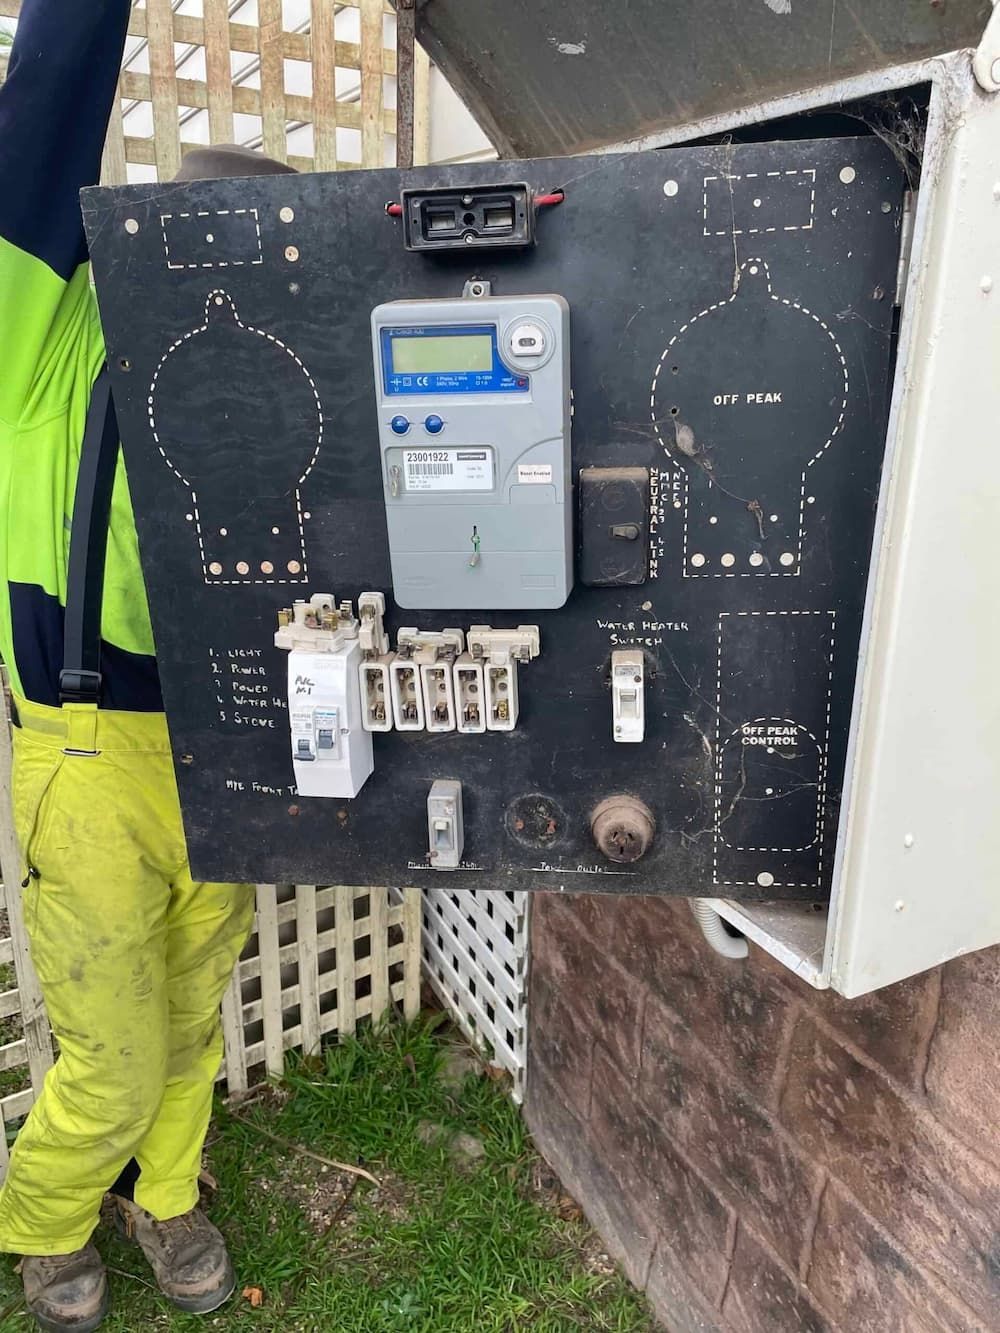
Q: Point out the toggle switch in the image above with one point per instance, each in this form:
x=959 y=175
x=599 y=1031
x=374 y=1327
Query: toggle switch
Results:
x=445 y=825
x=627 y=532
x=628 y=705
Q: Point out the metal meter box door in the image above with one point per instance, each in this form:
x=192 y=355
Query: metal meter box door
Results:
x=541 y=565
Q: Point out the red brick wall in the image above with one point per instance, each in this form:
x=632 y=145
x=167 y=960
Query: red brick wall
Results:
x=760 y=1156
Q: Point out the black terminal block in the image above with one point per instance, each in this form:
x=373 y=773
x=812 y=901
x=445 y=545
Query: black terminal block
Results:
x=478 y=217
x=614 y=526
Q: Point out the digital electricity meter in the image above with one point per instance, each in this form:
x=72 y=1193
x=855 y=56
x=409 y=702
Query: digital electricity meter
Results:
x=473 y=399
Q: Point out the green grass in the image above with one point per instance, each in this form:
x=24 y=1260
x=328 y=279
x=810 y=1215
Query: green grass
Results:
x=436 y=1248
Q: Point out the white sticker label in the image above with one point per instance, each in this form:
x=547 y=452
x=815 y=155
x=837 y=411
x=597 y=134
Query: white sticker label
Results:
x=448 y=469
x=534 y=474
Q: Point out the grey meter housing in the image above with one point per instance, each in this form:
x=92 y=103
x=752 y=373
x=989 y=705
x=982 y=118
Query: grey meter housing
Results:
x=473 y=400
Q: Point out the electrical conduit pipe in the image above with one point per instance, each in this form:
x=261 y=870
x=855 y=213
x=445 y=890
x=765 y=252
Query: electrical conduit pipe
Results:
x=715 y=932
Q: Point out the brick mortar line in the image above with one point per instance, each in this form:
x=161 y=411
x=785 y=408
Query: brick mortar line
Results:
x=642 y=1005
x=790 y=1273
x=654 y=1251
x=812 y=1224
x=770 y=1114
x=734 y=1232
x=937 y=1284
x=923 y=1057
x=779 y=1078
x=906 y=1094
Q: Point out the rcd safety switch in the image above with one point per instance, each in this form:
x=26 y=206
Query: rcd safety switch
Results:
x=473 y=399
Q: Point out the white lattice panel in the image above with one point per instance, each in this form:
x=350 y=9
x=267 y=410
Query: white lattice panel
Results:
x=475 y=950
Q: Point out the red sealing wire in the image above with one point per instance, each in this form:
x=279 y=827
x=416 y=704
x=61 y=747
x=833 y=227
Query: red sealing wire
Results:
x=540 y=201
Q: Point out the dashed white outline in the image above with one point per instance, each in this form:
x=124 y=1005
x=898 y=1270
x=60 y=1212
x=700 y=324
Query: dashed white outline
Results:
x=824 y=764
x=759 y=231
x=213 y=213
x=820 y=785
x=687 y=572
x=218 y=297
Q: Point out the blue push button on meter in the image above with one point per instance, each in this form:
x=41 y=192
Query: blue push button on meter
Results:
x=479 y=504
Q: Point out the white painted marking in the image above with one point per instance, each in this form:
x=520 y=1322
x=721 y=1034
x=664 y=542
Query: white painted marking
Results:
x=208 y=213
x=823 y=748
x=732 y=230
x=218 y=298
x=754 y=265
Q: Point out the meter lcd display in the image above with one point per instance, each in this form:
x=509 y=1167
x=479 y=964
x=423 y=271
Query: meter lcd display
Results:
x=442 y=354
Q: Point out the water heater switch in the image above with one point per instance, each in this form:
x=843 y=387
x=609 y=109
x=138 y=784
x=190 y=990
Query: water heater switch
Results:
x=628 y=709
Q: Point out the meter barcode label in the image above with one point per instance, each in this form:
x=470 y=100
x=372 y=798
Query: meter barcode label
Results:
x=448 y=469
x=432 y=469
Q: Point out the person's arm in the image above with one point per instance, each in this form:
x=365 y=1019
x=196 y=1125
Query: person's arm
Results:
x=54 y=110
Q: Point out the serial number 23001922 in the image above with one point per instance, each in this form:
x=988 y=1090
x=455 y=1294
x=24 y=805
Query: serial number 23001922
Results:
x=428 y=456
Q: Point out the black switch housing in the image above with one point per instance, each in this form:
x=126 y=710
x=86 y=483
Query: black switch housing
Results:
x=614 y=526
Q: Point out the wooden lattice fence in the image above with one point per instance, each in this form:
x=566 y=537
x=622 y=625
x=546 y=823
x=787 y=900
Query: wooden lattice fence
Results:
x=175 y=42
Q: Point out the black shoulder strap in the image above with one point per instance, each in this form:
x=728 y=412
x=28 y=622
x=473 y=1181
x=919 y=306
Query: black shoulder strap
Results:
x=80 y=678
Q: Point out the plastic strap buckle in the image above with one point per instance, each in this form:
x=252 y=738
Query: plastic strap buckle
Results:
x=79 y=687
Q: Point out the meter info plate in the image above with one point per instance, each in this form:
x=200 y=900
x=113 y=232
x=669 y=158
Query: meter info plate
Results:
x=604 y=527
x=448 y=469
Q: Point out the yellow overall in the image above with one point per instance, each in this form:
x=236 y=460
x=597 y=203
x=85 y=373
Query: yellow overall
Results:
x=133 y=958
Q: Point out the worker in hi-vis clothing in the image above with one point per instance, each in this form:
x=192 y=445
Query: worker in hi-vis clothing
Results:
x=132 y=954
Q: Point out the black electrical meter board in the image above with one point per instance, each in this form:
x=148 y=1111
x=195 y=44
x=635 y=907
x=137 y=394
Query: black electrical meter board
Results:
x=531 y=550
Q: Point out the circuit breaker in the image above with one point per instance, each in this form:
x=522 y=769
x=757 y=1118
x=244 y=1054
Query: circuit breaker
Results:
x=331 y=750
x=516 y=533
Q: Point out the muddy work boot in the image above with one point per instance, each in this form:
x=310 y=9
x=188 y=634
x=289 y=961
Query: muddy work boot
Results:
x=66 y=1291
x=187 y=1254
